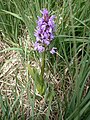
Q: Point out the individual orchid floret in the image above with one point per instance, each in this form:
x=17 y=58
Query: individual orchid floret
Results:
x=38 y=47
x=53 y=50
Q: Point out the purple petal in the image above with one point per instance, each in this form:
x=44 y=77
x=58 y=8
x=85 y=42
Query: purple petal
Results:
x=36 y=44
x=38 y=47
x=53 y=50
x=40 y=21
x=47 y=42
x=50 y=30
x=41 y=49
x=44 y=11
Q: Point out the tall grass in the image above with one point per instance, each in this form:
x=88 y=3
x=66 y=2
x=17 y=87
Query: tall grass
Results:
x=67 y=74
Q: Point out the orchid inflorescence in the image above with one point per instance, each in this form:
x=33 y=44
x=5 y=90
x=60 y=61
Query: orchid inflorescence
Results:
x=44 y=32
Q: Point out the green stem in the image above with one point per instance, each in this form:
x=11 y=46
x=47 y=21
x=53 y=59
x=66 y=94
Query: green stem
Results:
x=42 y=67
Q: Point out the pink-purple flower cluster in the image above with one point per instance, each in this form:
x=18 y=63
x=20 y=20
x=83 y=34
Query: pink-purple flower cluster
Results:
x=44 y=32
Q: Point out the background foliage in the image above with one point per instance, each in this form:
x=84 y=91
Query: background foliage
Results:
x=67 y=74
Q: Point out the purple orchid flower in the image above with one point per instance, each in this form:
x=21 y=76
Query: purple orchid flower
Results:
x=44 y=31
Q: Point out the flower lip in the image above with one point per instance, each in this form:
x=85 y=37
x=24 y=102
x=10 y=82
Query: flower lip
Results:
x=53 y=50
x=38 y=47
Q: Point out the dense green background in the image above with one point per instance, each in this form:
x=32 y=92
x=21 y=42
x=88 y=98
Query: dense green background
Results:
x=67 y=74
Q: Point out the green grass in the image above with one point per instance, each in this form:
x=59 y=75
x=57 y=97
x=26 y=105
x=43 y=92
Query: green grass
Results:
x=67 y=74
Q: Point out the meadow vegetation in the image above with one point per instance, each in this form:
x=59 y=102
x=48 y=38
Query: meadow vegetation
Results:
x=65 y=94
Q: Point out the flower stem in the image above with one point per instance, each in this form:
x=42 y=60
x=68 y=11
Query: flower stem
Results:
x=42 y=67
